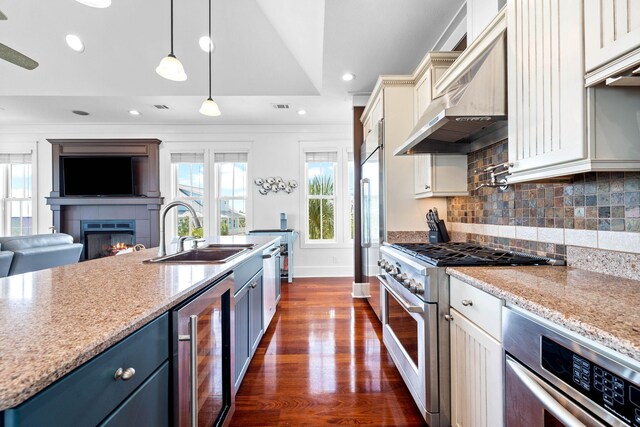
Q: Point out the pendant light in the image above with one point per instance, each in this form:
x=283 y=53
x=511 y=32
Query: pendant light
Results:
x=170 y=67
x=209 y=106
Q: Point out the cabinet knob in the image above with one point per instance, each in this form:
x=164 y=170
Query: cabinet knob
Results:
x=426 y=187
x=448 y=317
x=124 y=374
x=467 y=302
x=254 y=284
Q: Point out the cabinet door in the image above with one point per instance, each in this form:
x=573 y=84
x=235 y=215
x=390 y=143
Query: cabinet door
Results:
x=148 y=405
x=241 y=334
x=611 y=29
x=422 y=173
x=278 y=279
x=546 y=93
x=476 y=376
x=256 y=313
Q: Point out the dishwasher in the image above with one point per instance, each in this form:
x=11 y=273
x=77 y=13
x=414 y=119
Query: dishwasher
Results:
x=553 y=377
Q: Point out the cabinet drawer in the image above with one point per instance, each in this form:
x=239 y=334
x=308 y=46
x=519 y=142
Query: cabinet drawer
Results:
x=478 y=306
x=88 y=394
x=245 y=271
x=148 y=405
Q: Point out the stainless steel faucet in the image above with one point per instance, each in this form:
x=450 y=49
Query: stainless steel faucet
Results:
x=162 y=251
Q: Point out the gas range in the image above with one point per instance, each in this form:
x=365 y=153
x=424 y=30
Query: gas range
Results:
x=414 y=296
x=411 y=264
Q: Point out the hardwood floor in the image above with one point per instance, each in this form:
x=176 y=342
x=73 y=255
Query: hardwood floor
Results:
x=322 y=362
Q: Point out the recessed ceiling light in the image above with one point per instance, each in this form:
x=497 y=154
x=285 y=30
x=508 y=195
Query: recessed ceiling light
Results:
x=302 y=112
x=80 y=112
x=206 y=44
x=74 y=42
x=135 y=112
x=96 y=3
x=347 y=77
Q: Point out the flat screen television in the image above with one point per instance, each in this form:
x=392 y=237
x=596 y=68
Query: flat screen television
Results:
x=97 y=176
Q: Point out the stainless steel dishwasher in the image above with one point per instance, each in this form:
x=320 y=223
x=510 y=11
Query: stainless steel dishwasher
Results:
x=554 y=377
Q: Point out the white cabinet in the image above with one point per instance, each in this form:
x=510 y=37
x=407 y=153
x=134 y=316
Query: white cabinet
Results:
x=556 y=126
x=436 y=175
x=476 y=375
x=442 y=175
x=476 y=357
x=612 y=37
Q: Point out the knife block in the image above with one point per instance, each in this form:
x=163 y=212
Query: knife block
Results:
x=440 y=235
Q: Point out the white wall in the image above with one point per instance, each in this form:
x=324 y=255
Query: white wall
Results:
x=274 y=151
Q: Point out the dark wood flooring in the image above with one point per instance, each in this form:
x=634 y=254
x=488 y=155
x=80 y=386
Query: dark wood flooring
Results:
x=321 y=362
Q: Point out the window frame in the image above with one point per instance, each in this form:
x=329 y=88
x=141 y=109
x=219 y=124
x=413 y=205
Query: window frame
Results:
x=341 y=194
x=188 y=199
x=24 y=149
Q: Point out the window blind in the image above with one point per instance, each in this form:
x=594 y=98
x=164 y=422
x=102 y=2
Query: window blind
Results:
x=231 y=157
x=15 y=158
x=187 y=157
x=322 y=157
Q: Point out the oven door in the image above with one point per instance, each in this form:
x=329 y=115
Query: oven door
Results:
x=531 y=402
x=410 y=335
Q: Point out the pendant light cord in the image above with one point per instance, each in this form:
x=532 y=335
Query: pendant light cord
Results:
x=171 y=27
x=210 y=48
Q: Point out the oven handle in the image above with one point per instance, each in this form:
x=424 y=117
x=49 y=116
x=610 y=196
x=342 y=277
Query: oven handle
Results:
x=410 y=308
x=545 y=397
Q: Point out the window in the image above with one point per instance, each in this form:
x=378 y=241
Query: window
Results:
x=188 y=185
x=320 y=179
x=231 y=178
x=16 y=194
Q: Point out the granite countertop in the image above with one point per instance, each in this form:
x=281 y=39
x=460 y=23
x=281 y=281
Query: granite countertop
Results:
x=52 y=321
x=598 y=306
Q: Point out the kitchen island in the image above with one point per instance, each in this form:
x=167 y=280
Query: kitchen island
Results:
x=54 y=321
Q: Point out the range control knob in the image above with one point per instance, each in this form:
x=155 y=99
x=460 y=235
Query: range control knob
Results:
x=388 y=267
x=402 y=277
x=419 y=289
x=381 y=262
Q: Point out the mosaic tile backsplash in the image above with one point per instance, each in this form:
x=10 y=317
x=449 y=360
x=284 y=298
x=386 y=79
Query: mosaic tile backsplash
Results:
x=606 y=201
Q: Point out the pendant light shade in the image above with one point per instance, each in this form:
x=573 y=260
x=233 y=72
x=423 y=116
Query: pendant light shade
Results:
x=96 y=3
x=171 y=68
x=209 y=106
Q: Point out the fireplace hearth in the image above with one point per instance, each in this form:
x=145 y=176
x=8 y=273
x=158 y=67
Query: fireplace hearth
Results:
x=103 y=238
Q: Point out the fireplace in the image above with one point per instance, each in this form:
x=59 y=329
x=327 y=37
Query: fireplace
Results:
x=102 y=238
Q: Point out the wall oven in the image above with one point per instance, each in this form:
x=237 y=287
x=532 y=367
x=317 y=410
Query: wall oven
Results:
x=555 y=378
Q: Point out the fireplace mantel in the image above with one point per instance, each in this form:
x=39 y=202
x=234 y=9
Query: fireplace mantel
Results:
x=145 y=209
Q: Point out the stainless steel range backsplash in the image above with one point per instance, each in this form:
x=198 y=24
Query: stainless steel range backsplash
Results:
x=605 y=202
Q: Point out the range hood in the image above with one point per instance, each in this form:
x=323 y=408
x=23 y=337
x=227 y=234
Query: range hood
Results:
x=471 y=114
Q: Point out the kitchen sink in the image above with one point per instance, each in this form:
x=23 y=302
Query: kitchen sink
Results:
x=217 y=253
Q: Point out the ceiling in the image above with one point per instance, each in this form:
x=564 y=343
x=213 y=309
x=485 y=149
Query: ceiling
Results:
x=266 y=52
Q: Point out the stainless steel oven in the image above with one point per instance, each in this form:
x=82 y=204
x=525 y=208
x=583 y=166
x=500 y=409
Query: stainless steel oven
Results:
x=413 y=334
x=555 y=378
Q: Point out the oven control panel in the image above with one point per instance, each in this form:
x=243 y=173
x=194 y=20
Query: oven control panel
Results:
x=617 y=395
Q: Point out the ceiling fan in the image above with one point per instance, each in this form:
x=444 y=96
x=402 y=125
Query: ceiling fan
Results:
x=14 y=56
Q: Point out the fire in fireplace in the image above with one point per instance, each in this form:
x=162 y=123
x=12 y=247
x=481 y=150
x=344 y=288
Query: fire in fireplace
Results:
x=106 y=238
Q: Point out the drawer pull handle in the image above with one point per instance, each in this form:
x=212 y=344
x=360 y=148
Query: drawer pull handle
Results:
x=124 y=374
x=426 y=187
x=467 y=302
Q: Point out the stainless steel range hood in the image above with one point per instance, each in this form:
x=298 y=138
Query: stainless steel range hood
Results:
x=471 y=114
